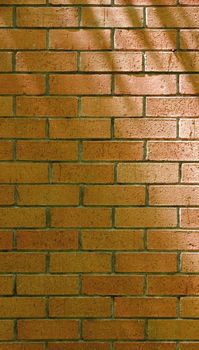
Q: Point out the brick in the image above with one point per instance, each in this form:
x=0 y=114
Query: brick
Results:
x=189 y=218
x=188 y=346
x=112 y=240
x=47 y=17
x=6 y=150
x=6 y=19
x=113 y=285
x=5 y=61
x=189 y=262
x=23 y=172
x=111 y=61
x=22 y=262
x=142 y=84
x=46 y=106
x=27 y=217
x=190 y=173
x=145 y=307
x=172 y=106
x=145 y=345
x=189 y=2
x=46 y=150
x=172 y=61
x=21 y=346
x=172 y=240
x=45 y=61
x=189 y=39
x=47 y=329
x=6 y=106
x=6 y=330
x=80 y=39
x=47 y=284
x=46 y=239
x=189 y=84
x=80 y=128
x=81 y=217
x=147 y=173
x=22 y=2
x=80 y=262
x=173 y=285
x=146 y=262
x=22 y=128
x=112 y=150
x=173 y=329
x=80 y=84
x=145 y=128
x=172 y=17
x=111 y=106
x=174 y=195
x=80 y=2
x=188 y=128
x=17 y=39
x=22 y=307
x=29 y=84
x=113 y=329
x=84 y=173
x=189 y=307
x=145 y=39
x=112 y=17
x=79 y=345
x=7 y=195
x=174 y=151
x=6 y=285
x=80 y=307
x=6 y=240
x=146 y=217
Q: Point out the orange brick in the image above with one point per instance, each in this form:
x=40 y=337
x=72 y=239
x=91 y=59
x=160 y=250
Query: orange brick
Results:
x=174 y=195
x=6 y=150
x=6 y=285
x=145 y=345
x=189 y=307
x=145 y=84
x=172 y=240
x=189 y=346
x=147 y=173
x=80 y=262
x=22 y=262
x=46 y=150
x=17 y=39
x=6 y=106
x=47 y=17
x=7 y=195
x=112 y=150
x=78 y=345
x=190 y=173
x=29 y=84
x=145 y=2
x=112 y=17
x=25 y=217
x=23 y=172
x=114 y=195
x=80 y=2
x=146 y=217
x=172 y=61
x=190 y=262
x=45 y=61
x=46 y=239
x=80 y=128
x=22 y=128
x=80 y=307
x=188 y=128
x=145 y=128
x=5 y=61
x=113 y=285
x=47 y=329
x=113 y=329
x=145 y=39
x=189 y=39
x=173 y=329
x=6 y=330
x=145 y=307
x=172 y=106
x=189 y=218
x=80 y=84
x=173 y=285
x=146 y=262
x=111 y=61
x=22 y=307
x=174 y=151
x=6 y=240
x=80 y=39
x=46 y=106
x=22 y=2
x=47 y=284
x=172 y=17
x=6 y=19
x=21 y=346
x=84 y=173
x=112 y=240
x=111 y=106
x=189 y=84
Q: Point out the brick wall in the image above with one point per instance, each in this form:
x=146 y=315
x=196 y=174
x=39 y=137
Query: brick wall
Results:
x=99 y=174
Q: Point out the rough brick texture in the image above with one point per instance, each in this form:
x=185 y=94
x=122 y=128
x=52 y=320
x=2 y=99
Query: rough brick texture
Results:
x=99 y=174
